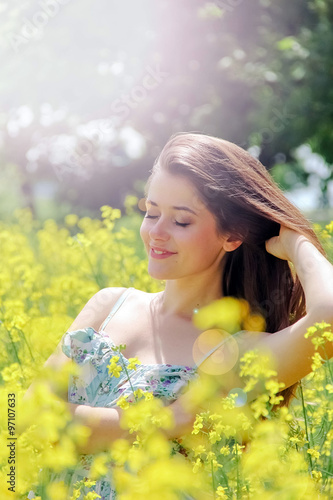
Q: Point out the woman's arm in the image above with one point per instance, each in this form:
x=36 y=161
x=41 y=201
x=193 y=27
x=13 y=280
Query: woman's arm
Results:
x=315 y=272
x=102 y=422
x=291 y=350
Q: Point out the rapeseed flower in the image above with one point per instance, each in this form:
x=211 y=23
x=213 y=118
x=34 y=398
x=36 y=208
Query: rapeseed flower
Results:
x=114 y=368
x=123 y=402
x=233 y=452
x=132 y=363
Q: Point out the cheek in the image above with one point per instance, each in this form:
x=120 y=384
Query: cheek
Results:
x=206 y=241
x=193 y=243
x=202 y=235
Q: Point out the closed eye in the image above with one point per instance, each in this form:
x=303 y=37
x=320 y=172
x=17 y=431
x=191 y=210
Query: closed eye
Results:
x=177 y=223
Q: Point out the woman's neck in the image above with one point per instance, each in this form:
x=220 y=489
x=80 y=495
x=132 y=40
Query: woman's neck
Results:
x=181 y=297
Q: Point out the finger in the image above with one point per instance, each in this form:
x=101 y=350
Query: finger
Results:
x=271 y=242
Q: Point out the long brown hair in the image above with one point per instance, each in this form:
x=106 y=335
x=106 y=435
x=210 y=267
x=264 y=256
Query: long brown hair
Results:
x=247 y=203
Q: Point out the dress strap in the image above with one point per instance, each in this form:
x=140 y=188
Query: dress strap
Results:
x=116 y=306
x=220 y=344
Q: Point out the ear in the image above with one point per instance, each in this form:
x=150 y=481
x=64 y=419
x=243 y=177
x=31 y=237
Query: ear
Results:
x=231 y=243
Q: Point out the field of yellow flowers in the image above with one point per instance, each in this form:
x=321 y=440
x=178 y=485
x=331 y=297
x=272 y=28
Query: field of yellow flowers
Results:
x=237 y=450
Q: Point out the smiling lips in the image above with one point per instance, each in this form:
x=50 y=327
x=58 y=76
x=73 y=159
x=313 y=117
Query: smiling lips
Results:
x=159 y=253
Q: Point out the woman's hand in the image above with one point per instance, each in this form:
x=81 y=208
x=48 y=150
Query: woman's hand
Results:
x=283 y=246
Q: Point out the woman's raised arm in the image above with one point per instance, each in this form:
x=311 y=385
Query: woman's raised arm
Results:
x=291 y=350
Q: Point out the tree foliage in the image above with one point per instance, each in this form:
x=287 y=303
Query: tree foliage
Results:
x=91 y=91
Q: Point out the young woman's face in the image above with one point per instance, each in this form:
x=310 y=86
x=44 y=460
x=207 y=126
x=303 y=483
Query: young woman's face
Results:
x=187 y=235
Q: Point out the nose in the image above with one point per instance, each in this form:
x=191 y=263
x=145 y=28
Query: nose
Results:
x=159 y=231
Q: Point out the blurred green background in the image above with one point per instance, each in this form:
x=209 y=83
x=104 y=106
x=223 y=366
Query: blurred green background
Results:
x=90 y=91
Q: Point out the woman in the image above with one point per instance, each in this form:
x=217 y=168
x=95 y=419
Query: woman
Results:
x=215 y=225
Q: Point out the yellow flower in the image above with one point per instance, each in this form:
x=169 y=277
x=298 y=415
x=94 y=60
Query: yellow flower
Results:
x=91 y=495
x=198 y=465
x=296 y=440
x=198 y=425
x=316 y=474
x=82 y=240
x=257 y=364
x=42 y=289
x=119 y=451
x=329 y=227
x=79 y=488
x=115 y=370
x=138 y=393
x=317 y=361
x=146 y=415
x=157 y=445
x=12 y=373
x=310 y=331
x=259 y=406
x=61 y=455
x=328 y=336
x=314 y=453
x=237 y=449
x=322 y=331
x=317 y=342
x=132 y=363
x=273 y=387
x=214 y=437
x=99 y=467
x=56 y=490
x=71 y=220
x=225 y=451
x=123 y=403
x=110 y=213
x=220 y=492
x=199 y=450
x=211 y=458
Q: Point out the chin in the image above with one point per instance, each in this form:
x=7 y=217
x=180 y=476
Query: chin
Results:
x=158 y=274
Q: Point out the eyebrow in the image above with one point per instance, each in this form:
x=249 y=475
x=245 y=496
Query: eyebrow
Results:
x=176 y=208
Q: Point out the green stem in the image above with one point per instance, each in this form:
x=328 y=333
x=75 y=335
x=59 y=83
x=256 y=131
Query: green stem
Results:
x=25 y=340
x=213 y=479
x=325 y=433
x=16 y=353
x=328 y=365
x=128 y=377
x=225 y=477
x=326 y=471
x=306 y=424
x=237 y=470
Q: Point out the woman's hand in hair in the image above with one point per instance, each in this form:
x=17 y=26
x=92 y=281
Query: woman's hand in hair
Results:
x=284 y=246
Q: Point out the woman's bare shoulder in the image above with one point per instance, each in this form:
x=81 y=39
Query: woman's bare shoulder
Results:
x=92 y=315
x=97 y=308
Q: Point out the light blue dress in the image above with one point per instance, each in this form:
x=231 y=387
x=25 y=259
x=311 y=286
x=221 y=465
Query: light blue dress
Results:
x=94 y=386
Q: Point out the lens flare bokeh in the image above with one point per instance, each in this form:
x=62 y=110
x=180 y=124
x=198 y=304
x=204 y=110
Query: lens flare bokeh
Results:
x=215 y=360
